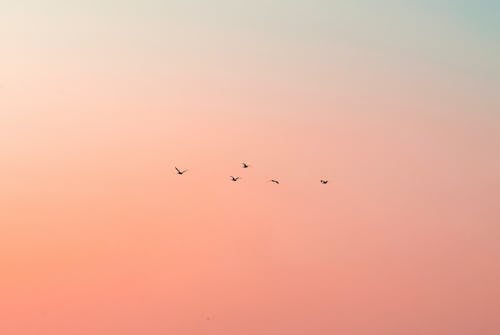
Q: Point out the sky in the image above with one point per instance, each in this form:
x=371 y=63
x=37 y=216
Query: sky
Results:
x=394 y=102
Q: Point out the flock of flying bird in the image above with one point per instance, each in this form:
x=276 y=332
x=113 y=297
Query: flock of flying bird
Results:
x=245 y=166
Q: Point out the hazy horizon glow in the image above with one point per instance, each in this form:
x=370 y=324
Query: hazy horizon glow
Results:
x=396 y=103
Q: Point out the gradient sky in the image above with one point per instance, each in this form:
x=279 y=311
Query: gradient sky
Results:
x=395 y=102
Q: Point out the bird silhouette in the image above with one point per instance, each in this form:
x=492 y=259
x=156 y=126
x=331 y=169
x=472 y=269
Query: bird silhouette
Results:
x=234 y=178
x=179 y=171
x=274 y=181
x=245 y=165
x=323 y=181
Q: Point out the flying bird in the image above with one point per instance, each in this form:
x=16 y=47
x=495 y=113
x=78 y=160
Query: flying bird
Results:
x=179 y=171
x=234 y=178
x=324 y=181
x=274 y=181
x=245 y=165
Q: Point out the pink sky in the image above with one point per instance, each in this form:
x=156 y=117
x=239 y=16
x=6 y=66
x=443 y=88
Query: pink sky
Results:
x=99 y=236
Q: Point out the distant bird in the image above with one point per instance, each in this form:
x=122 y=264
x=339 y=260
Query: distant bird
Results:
x=274 y=181
x=245 y=165
x=234 y=178
x=324 y=181
x=179 y=171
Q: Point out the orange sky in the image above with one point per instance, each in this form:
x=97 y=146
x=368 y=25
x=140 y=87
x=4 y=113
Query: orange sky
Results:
x=98 y=235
